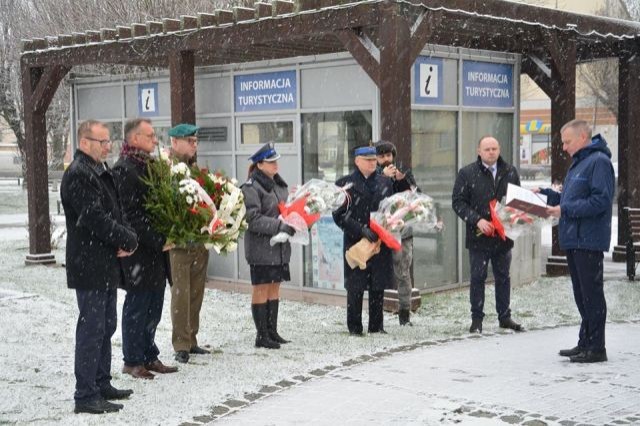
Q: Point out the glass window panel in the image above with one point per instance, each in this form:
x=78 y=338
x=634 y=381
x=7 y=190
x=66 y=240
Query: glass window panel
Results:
x=327 y=140
x=433 y=151
x=269 y=131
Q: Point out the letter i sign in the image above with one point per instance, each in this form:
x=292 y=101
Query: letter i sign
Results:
x=428 y=81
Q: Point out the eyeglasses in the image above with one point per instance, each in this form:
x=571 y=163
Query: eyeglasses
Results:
x=191 y=141
x=102 y=142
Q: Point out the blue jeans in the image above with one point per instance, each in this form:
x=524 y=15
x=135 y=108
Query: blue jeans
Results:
x=141 y=315
x=500 y=262
x=586 y=270
x=97 y=322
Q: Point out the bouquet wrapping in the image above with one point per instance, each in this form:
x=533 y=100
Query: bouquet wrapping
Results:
x=409 y=208
x=304 y=207
x=509 y=222
x=192 y=205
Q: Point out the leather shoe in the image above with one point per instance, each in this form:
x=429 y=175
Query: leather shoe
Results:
x=589 y=357
x=138 y=371
x=511 y=324
x=97 y=406
x=182 y=356
x=110 y=392
x=199 y=351
x=476 y=325
x=159 y=367
x=571 y=352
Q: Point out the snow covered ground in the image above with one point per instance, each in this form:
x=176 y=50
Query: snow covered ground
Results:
x=38 y=315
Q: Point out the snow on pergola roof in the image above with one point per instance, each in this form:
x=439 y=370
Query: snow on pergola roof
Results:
x=285 y=29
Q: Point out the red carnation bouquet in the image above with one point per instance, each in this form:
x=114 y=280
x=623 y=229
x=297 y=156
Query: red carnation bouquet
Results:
x=394 y=213
x=304 y=207
x=508 y=222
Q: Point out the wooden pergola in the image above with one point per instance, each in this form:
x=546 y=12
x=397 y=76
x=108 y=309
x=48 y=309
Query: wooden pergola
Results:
x=384 y=36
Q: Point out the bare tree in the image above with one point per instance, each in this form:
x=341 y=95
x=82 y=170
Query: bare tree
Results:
x=27 y=19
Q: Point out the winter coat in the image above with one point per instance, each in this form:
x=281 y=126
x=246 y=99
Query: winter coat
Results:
x=148 y=267
x=261 y=197
x=472 y=192
x=365 y=195
x=96 y=228
x=586 y=199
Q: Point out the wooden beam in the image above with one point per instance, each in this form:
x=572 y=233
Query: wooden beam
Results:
x=364 y=52
x=395 y=80
x=422 y=30
x=533 y=68
x=38 y=87
x=182 y=84
x=288 y=27
x=628 y=136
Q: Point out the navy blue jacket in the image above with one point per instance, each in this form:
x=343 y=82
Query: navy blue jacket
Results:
x=366 y=194
x=586 y=199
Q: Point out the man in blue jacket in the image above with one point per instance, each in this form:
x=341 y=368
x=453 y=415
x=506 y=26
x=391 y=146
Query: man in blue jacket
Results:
x=584 y=208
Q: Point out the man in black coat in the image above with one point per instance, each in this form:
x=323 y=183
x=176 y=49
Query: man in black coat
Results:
x=146 y=271
x=97 y=238
x=368 y=189
x=476 y=185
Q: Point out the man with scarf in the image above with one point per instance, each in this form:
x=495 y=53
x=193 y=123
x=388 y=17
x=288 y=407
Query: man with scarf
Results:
x=369 y=188
x=146 y=271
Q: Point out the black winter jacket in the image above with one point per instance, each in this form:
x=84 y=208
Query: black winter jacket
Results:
x=472 y=192
x=148 y=267
x=261 y=197
x=366 y=195
x=96 y=227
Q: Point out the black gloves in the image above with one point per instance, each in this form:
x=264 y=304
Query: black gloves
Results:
x=290 y=230
x=369 y=234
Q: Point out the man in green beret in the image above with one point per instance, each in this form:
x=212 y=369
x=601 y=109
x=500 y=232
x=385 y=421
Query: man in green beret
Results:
x=188 y=263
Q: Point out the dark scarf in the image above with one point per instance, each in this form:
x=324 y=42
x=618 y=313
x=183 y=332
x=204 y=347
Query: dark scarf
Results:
x=136 y=155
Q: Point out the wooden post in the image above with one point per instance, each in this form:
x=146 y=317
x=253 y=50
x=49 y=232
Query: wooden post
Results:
x=563 y=110
x=628 y=140
x=39 y=84
x=395 y=80
x=182 y=81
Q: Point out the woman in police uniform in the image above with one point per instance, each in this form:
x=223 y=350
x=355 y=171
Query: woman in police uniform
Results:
x=269 y=264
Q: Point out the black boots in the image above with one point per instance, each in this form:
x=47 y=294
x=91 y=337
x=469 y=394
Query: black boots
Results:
x=403 y=316
x=272 y=321
x=260 y=318
x=476 y=325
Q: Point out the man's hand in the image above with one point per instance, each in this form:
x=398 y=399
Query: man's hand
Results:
x=554 y=211
x=122 y=253
x=168 y=246
x=400 y=175
x=486 y=227
x=389 y=171
x=369 y=234
x=287 y=229
x=535 y=190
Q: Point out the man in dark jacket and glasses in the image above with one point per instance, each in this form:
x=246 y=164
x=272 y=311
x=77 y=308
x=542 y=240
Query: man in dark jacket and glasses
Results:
x=98 y=236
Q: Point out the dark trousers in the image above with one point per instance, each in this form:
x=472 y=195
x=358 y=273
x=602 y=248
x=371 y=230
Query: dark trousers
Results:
x=97 y=322
x=141 y=315
x=354 y=311
x=586 y=270
x=500 y=262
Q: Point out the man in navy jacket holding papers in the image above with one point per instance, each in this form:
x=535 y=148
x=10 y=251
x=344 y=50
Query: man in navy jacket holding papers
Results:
x=585 y=209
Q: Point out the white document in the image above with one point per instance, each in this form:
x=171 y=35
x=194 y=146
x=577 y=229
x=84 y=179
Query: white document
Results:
x=526 y=200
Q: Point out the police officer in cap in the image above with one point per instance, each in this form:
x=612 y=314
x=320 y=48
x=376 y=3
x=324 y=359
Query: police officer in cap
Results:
x=188 y=264
x=368 y=189
x=269 y=265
